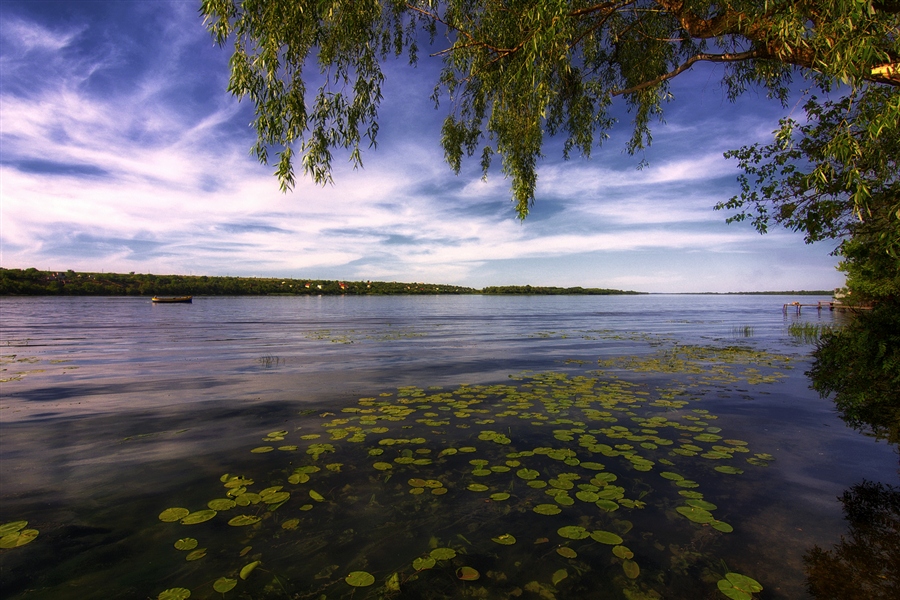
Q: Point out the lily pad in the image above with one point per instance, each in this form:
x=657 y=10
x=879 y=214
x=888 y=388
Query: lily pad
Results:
x=221 y=504
x=547 y=509
x=15 y=526
x=527 y=474
x=243 y=520
x=170 y=515
x=477 y=487
x=360 y=579
x=196 y=554
x=607 y=505
x=18 y=538
x=631 y=568
x=174 y=594
x=248 y=568
x=500 y=496
x=186 y=544
x=442 y=553
x=696 y=503
x=507 y=539
x=558 y=576
x=224 y=584
x=721 y=526
x=595 y=466
x=467 y=574
x=606 y=537
x=316 y=496
x=738 y=587
x=423 y=562
x=573 y=532
x=566 y=552
x=697 y=515
x=729 y=470
x=200 y=516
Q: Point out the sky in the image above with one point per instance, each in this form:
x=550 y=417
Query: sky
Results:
x=121 y=150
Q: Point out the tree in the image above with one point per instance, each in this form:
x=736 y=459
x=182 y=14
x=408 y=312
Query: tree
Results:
x=515 y=71
x=835 y=176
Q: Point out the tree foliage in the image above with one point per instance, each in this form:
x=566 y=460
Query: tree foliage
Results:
x=31 y=282
x=834 y=176
x=515 y=71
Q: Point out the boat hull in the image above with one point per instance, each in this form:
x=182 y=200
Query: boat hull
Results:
x=172 y=299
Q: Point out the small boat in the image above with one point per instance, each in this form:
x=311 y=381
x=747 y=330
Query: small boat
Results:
x=172 y=299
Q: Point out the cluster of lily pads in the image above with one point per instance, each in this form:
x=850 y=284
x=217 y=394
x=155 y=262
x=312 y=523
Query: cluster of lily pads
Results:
x=464 y=476
x=14 y=534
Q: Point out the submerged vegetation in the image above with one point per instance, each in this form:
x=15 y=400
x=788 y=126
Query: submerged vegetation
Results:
x=555 y=484
x=808 y=332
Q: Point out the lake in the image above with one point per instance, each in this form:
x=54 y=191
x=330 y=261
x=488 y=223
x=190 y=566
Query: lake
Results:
x=418 y=447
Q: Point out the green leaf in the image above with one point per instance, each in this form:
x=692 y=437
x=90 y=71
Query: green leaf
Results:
x=606 y=537
x=200 y=516
x=360 y=579
x=248 y=568
x=224 y=584
x=174 y=594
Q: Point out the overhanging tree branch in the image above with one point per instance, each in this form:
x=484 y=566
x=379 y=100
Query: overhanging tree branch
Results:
x=750 y=54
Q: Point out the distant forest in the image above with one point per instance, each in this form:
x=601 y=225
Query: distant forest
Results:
x=32 y=282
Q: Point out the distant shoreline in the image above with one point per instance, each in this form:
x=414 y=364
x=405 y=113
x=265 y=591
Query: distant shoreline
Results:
x=32 y=282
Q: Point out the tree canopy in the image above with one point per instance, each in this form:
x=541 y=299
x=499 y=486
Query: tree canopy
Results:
x=515 y=71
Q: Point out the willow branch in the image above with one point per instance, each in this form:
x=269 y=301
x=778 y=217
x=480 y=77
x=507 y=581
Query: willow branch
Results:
x=739 y=56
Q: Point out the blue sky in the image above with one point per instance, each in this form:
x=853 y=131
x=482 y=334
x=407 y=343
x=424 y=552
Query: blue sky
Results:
x=120 y=150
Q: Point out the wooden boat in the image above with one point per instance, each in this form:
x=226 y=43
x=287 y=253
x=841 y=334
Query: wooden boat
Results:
x=172 y=299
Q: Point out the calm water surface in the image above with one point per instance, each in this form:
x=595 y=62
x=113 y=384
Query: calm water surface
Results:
x=113 y=410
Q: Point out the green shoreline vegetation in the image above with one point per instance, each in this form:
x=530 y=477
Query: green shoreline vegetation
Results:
x=32 y=282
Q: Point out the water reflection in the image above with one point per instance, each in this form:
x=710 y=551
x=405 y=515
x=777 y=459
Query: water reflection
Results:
x=113 y=412
x=866 y=562
x=859 y=365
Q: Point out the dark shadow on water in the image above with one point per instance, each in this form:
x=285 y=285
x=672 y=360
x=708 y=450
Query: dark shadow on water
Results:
x=866 y=562
x=67 y=392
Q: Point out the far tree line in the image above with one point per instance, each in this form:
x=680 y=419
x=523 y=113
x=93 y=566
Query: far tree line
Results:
x=33 y=282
